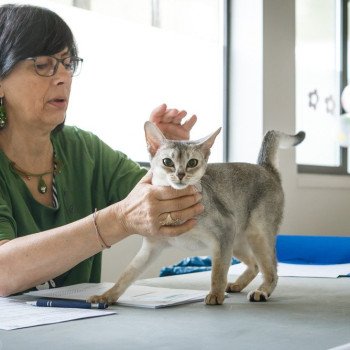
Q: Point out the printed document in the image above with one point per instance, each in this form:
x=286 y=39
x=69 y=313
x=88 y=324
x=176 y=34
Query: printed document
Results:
x=15 y=313
x=135 y=295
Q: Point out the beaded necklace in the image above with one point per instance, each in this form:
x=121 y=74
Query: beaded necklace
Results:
x=42 y=187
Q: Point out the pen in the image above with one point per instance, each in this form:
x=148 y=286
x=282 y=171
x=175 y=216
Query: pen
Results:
x=80 y=304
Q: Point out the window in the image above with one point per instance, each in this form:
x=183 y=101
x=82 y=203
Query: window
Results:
x=320 y=56
x=139 y=54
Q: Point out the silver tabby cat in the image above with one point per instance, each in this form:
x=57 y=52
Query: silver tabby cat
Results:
x=243 y=210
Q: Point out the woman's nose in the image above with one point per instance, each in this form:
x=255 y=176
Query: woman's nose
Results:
x=62 y=74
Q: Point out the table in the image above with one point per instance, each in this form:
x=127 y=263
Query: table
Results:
x=303 y=313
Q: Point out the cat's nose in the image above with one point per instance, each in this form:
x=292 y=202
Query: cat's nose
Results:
x=181 y=176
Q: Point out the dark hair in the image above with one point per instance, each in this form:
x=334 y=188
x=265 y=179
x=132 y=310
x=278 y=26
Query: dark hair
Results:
x=29 y=31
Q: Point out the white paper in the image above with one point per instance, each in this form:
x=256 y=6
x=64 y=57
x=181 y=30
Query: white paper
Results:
x=342 y=347
x=296 y=270
x=135 y=295
x=17 y=314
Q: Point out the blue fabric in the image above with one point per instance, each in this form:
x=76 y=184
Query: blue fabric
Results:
x=315 y=250
x=190 y=265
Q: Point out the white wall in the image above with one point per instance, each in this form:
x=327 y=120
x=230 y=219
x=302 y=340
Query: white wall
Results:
x=246 y=80
x=262 y=98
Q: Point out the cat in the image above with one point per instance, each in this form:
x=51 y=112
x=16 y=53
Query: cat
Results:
x=243 y=211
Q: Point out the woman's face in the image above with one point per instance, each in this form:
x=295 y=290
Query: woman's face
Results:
x=33 y=101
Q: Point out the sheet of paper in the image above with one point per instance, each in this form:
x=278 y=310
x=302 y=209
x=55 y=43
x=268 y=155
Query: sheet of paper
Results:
x=16 y=313
x=296 y=270
x=155 y=297
x=135 y=295
x=342 y=347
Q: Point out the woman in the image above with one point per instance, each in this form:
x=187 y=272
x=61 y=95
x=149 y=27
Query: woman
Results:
x=52 y=177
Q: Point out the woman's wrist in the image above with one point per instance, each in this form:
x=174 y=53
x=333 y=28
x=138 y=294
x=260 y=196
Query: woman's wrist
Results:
x=109 y=226
x=99 y=236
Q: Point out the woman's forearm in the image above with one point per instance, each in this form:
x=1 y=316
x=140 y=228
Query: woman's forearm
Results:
x=33 y=259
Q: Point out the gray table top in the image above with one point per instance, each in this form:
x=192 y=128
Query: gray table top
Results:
x=303 y=313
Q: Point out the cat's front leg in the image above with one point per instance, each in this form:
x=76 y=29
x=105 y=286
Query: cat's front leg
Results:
x=149 y=251
x=220 y=264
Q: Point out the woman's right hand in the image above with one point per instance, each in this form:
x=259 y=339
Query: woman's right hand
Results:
x=145 y=210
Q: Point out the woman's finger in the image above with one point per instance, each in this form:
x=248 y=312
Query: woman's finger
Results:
x=180 y=204
x=175 y=218
x=173 y=231
x=188 y=124
x=158 y=113
x=164 y=193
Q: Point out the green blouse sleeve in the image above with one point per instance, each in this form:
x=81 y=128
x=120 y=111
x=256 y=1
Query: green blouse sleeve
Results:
x=7 y=223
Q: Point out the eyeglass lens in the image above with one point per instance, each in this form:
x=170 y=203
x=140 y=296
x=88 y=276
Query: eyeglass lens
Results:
x=47 y=65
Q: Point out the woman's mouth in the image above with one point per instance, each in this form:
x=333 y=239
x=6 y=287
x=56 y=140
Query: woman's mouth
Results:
x=58 y=102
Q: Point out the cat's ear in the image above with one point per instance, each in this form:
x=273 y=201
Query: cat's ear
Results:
x=154 y=137
x=207 y=142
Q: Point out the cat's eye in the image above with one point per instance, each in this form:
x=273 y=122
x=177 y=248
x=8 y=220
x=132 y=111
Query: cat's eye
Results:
x=168 y=162
x=192 y=163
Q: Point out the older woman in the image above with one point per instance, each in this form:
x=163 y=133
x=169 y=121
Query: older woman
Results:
x=52 y=177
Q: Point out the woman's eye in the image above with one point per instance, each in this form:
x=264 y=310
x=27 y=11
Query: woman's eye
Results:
x=192 y=163
x=168 y=162
x=42 y=66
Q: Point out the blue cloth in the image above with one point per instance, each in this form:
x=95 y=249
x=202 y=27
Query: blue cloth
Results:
x=315 y=250
x=190 y=265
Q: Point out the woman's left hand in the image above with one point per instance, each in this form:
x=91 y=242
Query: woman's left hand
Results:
x=169 y=121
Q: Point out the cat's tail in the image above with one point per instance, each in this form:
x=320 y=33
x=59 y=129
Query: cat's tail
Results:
x=273 y=140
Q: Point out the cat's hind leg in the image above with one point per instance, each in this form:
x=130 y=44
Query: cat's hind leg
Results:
x=262 y=243
x=247 y=276
x=147 y=254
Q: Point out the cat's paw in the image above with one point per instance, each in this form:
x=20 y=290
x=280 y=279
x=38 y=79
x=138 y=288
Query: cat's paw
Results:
x=233 y=288
x=214 y=299
x=257 y=296
x=104 y=298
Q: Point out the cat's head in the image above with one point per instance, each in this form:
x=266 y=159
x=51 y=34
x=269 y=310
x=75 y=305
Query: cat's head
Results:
x=177 y=163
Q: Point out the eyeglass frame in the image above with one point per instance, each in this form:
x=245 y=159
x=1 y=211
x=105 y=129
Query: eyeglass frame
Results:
x=58 y=61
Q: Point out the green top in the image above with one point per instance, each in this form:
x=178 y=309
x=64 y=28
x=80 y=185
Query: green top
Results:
x=92 y=176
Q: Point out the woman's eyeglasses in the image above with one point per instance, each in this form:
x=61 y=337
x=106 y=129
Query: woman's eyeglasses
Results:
x=46 y=66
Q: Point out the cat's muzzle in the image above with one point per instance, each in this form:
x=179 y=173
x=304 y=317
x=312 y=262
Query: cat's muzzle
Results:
x=169 y=221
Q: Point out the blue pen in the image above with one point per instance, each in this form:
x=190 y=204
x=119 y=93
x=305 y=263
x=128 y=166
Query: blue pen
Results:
x=79 y=304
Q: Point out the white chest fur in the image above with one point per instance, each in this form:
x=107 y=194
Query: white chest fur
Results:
x=194 y=239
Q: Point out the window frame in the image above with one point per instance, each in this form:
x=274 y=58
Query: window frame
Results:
x=342 y=169
x=227 y=10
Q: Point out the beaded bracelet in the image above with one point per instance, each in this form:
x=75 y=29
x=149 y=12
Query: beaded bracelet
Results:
x=102 y=242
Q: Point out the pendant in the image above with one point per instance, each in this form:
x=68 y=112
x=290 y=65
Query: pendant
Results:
x=42 y=187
